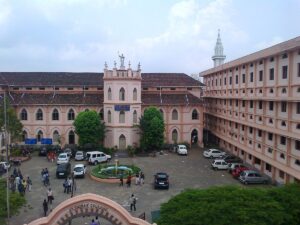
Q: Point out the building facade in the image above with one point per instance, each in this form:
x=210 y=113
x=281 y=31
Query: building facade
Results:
x=252 y=106
x=47 y=104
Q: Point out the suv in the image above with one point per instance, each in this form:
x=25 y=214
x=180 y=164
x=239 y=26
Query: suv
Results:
x=161 y=180
x=251 y=176
x=219 y=164
x=181 y=150
x=63 y=170
x=231 y=158
x=213 y=153
x=96 y=157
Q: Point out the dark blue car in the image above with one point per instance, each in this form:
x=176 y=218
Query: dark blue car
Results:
x=161 y=180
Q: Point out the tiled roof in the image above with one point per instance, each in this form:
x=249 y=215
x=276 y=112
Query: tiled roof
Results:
x=55 y=99
x=170 y=99
x=90 y=79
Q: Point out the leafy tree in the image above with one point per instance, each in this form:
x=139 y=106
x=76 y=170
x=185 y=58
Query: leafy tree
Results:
x=233 y=205
x=89 y=128
x=16 y=201
x=152 y=127
x=14 y=126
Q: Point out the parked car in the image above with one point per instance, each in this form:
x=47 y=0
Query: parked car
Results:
x=69 y=152
x=182 y=150
x=5 y=165
x=96 y=157
x=213 y=153
x=231 y=158
x=79 y=156
x=237 y=171
x=43 y=151
x=63 y=170
x=219 y=164
x=232 y=166
x=161 y=180
x=79 y=170
x=62 y=158
x=251 y=176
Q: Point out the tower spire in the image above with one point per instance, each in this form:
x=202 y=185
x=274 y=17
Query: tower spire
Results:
x=219 y=57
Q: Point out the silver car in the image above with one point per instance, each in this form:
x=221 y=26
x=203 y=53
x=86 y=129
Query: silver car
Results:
x=252 y=177
x=79 y=156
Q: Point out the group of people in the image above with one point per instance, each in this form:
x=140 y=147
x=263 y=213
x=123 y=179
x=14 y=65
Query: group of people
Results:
x=19 y=183
x=45 y=177
x=68 y=183
x=48 y=202
x=95 y=221
x=139 y=179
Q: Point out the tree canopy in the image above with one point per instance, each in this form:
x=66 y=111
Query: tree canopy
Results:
x=89 y=128
x=152 y=127
x=233 y=205
x=14 y=126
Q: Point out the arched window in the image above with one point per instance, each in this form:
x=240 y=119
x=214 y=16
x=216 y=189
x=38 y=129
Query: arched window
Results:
x=283 y=123
x=109 y=116
x=270 y=120
x=298 y=90
x=39 y=115
x=71 y=114
x=134 y=116
x=174 y=136
x=283 y=91
x=55 y=136
x=134 y=94
x=298 y=126
x=24 y=135
x=271 y=90
x=109 y=94
x=101 y=114
x=122 y=117
x=122 y=94
x=39 y=136
x=194 y=115
x=174 y=115
x=55 y=115
x=23 y=114
x=71 y=137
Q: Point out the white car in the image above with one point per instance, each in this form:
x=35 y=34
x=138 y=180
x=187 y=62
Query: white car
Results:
x=79 y=170
x=181 y=150
x=96 y=157
x=63 y=158
x=213 y=153
x=219 y=164
x=79 y=155
x=5 y=165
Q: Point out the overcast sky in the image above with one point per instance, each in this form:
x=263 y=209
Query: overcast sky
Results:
x=163 y=35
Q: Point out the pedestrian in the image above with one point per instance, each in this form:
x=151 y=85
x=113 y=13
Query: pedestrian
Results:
x=24 y=183
x=45 y=179
x=50 y=196
x=132 y=201
x=17 y=182
x=29 y=184
x=65 y=185
x=128 y=181
x=137 y=178
x=45 y=207
x=93 y=222
x=121 y=180
x=142 y=180
x=21 y=189
x=97 y=220
x=69 y=185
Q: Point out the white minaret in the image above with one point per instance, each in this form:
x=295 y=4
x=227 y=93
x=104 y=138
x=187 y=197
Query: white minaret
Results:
x=219 y=57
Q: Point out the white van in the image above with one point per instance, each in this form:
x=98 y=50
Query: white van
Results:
x=96 y=157
x=181 y=150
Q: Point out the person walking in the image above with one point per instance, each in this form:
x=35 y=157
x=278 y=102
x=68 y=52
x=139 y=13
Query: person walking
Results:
x=132 y=201
x=24 y=183
x=50 y=196
x=142 y=180
x=128 y=181
x=65 y=184
x=93 y=222
x=121 y=180
x=97 y=220
x=29 y=184
x=45 y=207
x=69 y=185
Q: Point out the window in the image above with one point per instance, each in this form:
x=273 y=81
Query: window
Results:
x=225 y=78
x=261 y=62
x=270 y=150
x=298 y=69
x=282 y=140
x=174 y=115
x=284 y=72
x=250 y=130
x=297 y=145
x=230 y=80
x=298 y=90
x=173 y=89
x=28 y=88
x=55 y=136
x=109 y=94
x=122 y=117
x=270 y=136
x=71 y=114
x=297 y=162
x=271 y=91
x=174 y=136
x=23 y=114
x=236 y=79
x=283 y=123
x=134 y=94
x=236 y=103
x=268 y=167
x=284 y=56
x=260 y=104
x=109 y=116
x=270 y=121
x=260 y=75
x=271 y=106
x=122 y=94
x=271 y=74
x=243 y=103
x=298 y=108
x=251 y=77
x=243 y=127
x=244 y=78
x=24 y=135
x=55 y=115
x=70 y=88
x=271 y=59
x=39 y=115
x=249 y=156
x=282 y=156
x=101 y=114
x=283 y=106
x=194 y=115
x=134 y=119
x=259 y=133
x=283 y=91
x=251 y=104
x=298 y=126
x=39 y=136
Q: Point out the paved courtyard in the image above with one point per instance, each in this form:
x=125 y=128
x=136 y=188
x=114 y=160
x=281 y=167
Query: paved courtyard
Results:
x=192 y=171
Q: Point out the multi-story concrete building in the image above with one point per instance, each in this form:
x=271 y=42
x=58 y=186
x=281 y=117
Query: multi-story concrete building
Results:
x=47 y=103
x=252 y=106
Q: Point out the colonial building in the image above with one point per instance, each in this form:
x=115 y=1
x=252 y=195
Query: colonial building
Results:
x=47 y=103
x=252 y=106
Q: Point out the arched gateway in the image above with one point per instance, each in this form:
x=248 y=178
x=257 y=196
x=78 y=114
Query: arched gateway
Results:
x=89 y=205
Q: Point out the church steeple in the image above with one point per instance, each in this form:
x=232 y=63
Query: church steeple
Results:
x=219 y=57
